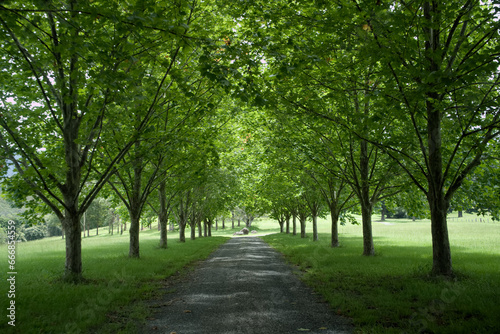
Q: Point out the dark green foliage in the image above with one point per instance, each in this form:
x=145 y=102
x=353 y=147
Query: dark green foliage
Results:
x=36 y=232
x=53 y=226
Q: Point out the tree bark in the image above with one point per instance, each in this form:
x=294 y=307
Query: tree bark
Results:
x=73 y=239
x=134 y=233
x=383 y=212
x=368 y=247
x=441 y=253
x=193 y=230
x=182 y=234
x=294 y=224
x=335 y=226
x=302 y=220
x=183 y=217
x=135 y=206
x=315 y=227
x=163 y=215
x=365 y=200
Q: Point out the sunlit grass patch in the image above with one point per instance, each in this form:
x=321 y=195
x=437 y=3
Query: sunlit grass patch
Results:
x=392 y=292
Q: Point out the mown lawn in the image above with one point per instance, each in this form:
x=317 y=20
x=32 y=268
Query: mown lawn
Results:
x=111 y=300
x=392 y=292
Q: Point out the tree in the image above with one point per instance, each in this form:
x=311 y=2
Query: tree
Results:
x=58 y=105
x=441 y=80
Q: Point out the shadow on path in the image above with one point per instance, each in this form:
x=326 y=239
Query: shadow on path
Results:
x=243 y=287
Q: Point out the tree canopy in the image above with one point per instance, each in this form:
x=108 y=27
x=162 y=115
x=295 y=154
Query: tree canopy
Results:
x=292 y=109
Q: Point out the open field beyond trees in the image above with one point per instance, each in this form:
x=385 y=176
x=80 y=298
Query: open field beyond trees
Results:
x=388 y=293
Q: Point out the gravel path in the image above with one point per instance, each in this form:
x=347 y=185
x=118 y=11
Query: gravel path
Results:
x=243 y=287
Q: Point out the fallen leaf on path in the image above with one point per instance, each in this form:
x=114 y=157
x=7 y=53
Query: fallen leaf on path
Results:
x=323 y=328
x=303 y=330
x=187 y=311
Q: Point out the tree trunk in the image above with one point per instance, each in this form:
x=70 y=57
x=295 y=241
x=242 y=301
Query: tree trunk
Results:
x=73 y=265
x=134 y=234
x=460 y=214
x=287 y=224
x=368 y=247
x=205 y=227
x=200 y=232
x=183 y=216
x=335 y=227
x=182 y=234
x=216 y=224
x=163 y=215
x=441 y=253
x=315 y=227
x=72 y=215
x=294 y=224
x=365 y=200
x=232 y=220
x=302 y=220
x=163 y=235
x=193 y=230
x=209 y=228
x=282 y=223
x=302 y=228
x=383 y=212
x=135 y=204
x=223 y=223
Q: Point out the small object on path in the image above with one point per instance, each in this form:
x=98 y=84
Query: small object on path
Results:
x=244 y=287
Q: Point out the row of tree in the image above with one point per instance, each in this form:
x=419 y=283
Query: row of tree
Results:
x=149 y=103
x=374 y=98
x=97 y=94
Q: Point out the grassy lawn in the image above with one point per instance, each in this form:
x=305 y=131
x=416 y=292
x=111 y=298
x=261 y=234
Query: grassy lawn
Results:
x=116 y=285
x=392 y=292
x=388 y=293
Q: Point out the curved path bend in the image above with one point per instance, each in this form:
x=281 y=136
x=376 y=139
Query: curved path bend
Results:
x=243 y=287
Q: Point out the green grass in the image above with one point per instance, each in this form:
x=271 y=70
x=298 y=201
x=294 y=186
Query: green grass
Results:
x=388 y=293
x=111 y=300
x=392 y=292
